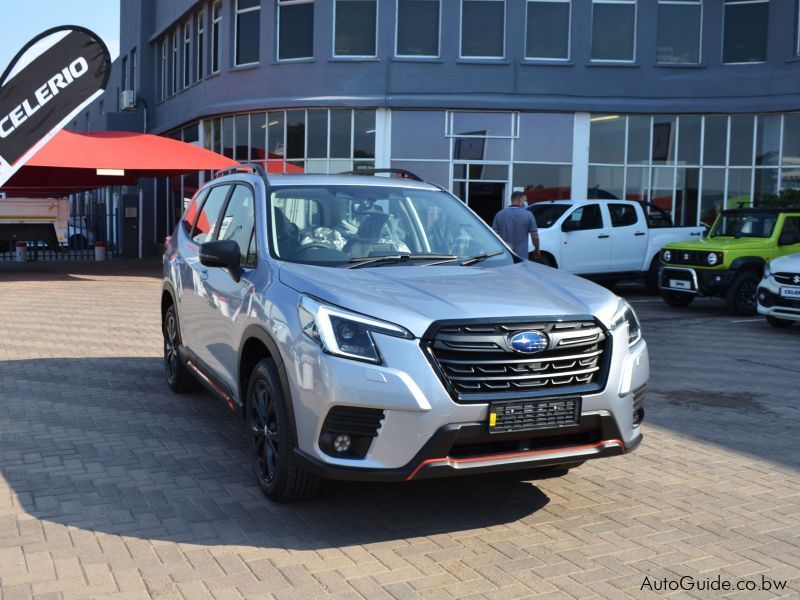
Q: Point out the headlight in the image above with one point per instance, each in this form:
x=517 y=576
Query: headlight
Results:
x=625 y=314
x=712 y=258
x=344 y=333
x=767 y=271
x=666 y=255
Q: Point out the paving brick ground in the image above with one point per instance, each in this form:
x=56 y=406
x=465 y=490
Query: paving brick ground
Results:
x=112 y=486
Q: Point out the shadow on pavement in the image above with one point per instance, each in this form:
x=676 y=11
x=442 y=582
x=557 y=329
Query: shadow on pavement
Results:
x=77 y=270
x=101 y=444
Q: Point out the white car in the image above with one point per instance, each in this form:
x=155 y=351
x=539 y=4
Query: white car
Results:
x=606 y=239
x=779 y=291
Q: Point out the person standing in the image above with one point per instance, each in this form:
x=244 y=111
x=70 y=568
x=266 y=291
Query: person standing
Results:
x=514 y=223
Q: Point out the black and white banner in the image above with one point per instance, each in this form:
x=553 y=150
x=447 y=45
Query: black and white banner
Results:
x=48 y=82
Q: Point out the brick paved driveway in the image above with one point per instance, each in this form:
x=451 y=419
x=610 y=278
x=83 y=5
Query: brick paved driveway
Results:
x=111 y=485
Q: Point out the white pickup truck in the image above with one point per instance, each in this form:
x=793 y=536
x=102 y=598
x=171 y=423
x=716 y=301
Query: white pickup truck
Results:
x=32 y=219
x=606 y=239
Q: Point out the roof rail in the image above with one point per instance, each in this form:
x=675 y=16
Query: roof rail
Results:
x=403 y=173
x=254 y=169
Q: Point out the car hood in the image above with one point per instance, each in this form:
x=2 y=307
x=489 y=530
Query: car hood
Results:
x=416 y=296
x=789 y=263
x=720 y=244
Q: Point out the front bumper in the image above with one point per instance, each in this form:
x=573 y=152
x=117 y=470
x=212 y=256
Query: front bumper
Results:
x=691 y=280
x=772 y=304
x=425 y=432
x=468 y=448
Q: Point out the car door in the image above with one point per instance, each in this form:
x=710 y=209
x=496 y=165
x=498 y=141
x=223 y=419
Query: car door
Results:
x=585 y=241
x=230 y=294
x=628 y=237
x=194 y=312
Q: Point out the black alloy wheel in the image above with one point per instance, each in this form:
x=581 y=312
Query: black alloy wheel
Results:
x=741 y=296
x=272 y=438
x=179 y=379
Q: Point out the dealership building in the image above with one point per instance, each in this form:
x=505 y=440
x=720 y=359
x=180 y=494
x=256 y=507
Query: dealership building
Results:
x=687 y=103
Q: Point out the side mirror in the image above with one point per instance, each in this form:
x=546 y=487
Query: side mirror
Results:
x=222 y=253
x=569 y=225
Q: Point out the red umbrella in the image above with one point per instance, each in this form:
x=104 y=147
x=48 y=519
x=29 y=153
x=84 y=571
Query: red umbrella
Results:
x=72 y=162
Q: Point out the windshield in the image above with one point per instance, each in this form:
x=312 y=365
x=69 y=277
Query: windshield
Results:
x=547 y=214
x=338 y=225
x=744 y=224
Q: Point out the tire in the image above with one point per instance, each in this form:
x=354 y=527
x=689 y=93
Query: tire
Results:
x=269 y=424
x=741 y=296
x=77 y=242
x=651 y=278
x=179 y=378
x=676 y=299
x=780 y=323
x=545 y=260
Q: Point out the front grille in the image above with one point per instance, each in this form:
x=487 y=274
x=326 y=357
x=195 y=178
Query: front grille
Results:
x=787 y=278
x=476 y=362
x=353 y=420
x=787 y=302
x=535 y=414
x=688 y=257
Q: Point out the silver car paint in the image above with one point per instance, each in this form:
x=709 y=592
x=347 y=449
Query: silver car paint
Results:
x=215 y=312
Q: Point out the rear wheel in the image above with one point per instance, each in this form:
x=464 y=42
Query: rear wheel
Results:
x=780 y=323
x=279 y=475
x=651 y=279
x=179 y=379
x=676 y=299
x=741 y=296
x=77 y=242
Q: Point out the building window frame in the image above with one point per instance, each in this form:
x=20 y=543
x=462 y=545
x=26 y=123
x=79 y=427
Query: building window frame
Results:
x=701 y=3
x=174 y=63
x=164 y=70
x=725 y=5
x=438 y=34
x=278 y=6
x=238 y=12
x=124 y=73
x=133 y=72
x=461 y=55
x=186 y=74
x=200 y=44
x=612 y=61
x=377 y=26
x=216 y=36
x=569 y=32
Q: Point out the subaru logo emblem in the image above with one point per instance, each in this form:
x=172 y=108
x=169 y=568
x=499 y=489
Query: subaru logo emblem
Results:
x=796 y=279
x=528 y=342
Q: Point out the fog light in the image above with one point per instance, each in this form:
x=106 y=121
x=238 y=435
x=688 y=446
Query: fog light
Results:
x=761 y=297
x=342 y=443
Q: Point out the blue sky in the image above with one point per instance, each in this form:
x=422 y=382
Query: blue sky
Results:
x=22 y=20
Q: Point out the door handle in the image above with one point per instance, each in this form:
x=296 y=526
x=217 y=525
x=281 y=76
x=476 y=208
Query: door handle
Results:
x=639 y=233
x=603 y=236
x=695 y=233
x=203 y=274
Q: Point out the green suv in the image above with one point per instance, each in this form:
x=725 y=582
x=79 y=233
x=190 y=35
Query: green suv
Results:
x=729 y=261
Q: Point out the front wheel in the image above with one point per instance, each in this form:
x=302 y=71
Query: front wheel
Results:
x=780 y=323
x=275 y=465
x=77 y=242
x=741 y=296
x=676 y=299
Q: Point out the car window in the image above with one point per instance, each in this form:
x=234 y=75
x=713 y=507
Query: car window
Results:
x=547 y=214
x=790 y=234
x=238 y=222
x=622 y=215
x=209 y=214
x=191 y=213
x=587 y=217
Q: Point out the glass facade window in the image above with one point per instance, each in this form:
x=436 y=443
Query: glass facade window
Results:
x=483 y=28
x=200 y=46
x=418 y=27
x=133 y=82
x=355 y=28
x=164 y=71
x=216 y=29
x=248 y=31
x=174 y=66
x=607 y=139
x=258 y=137
x=745 y=31
x=614 y=30
x=679 y=31
x=187 y=54
x=547 y=31
x=295 y=29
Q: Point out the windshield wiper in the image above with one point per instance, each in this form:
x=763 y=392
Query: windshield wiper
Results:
x=361 y=261
x=472 y=259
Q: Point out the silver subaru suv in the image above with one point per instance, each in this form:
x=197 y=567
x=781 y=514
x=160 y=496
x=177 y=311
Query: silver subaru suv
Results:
x=374 y=328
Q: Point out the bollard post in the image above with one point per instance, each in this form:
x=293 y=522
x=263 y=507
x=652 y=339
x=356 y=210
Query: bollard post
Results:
x=22 y=251
x=99 y=251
